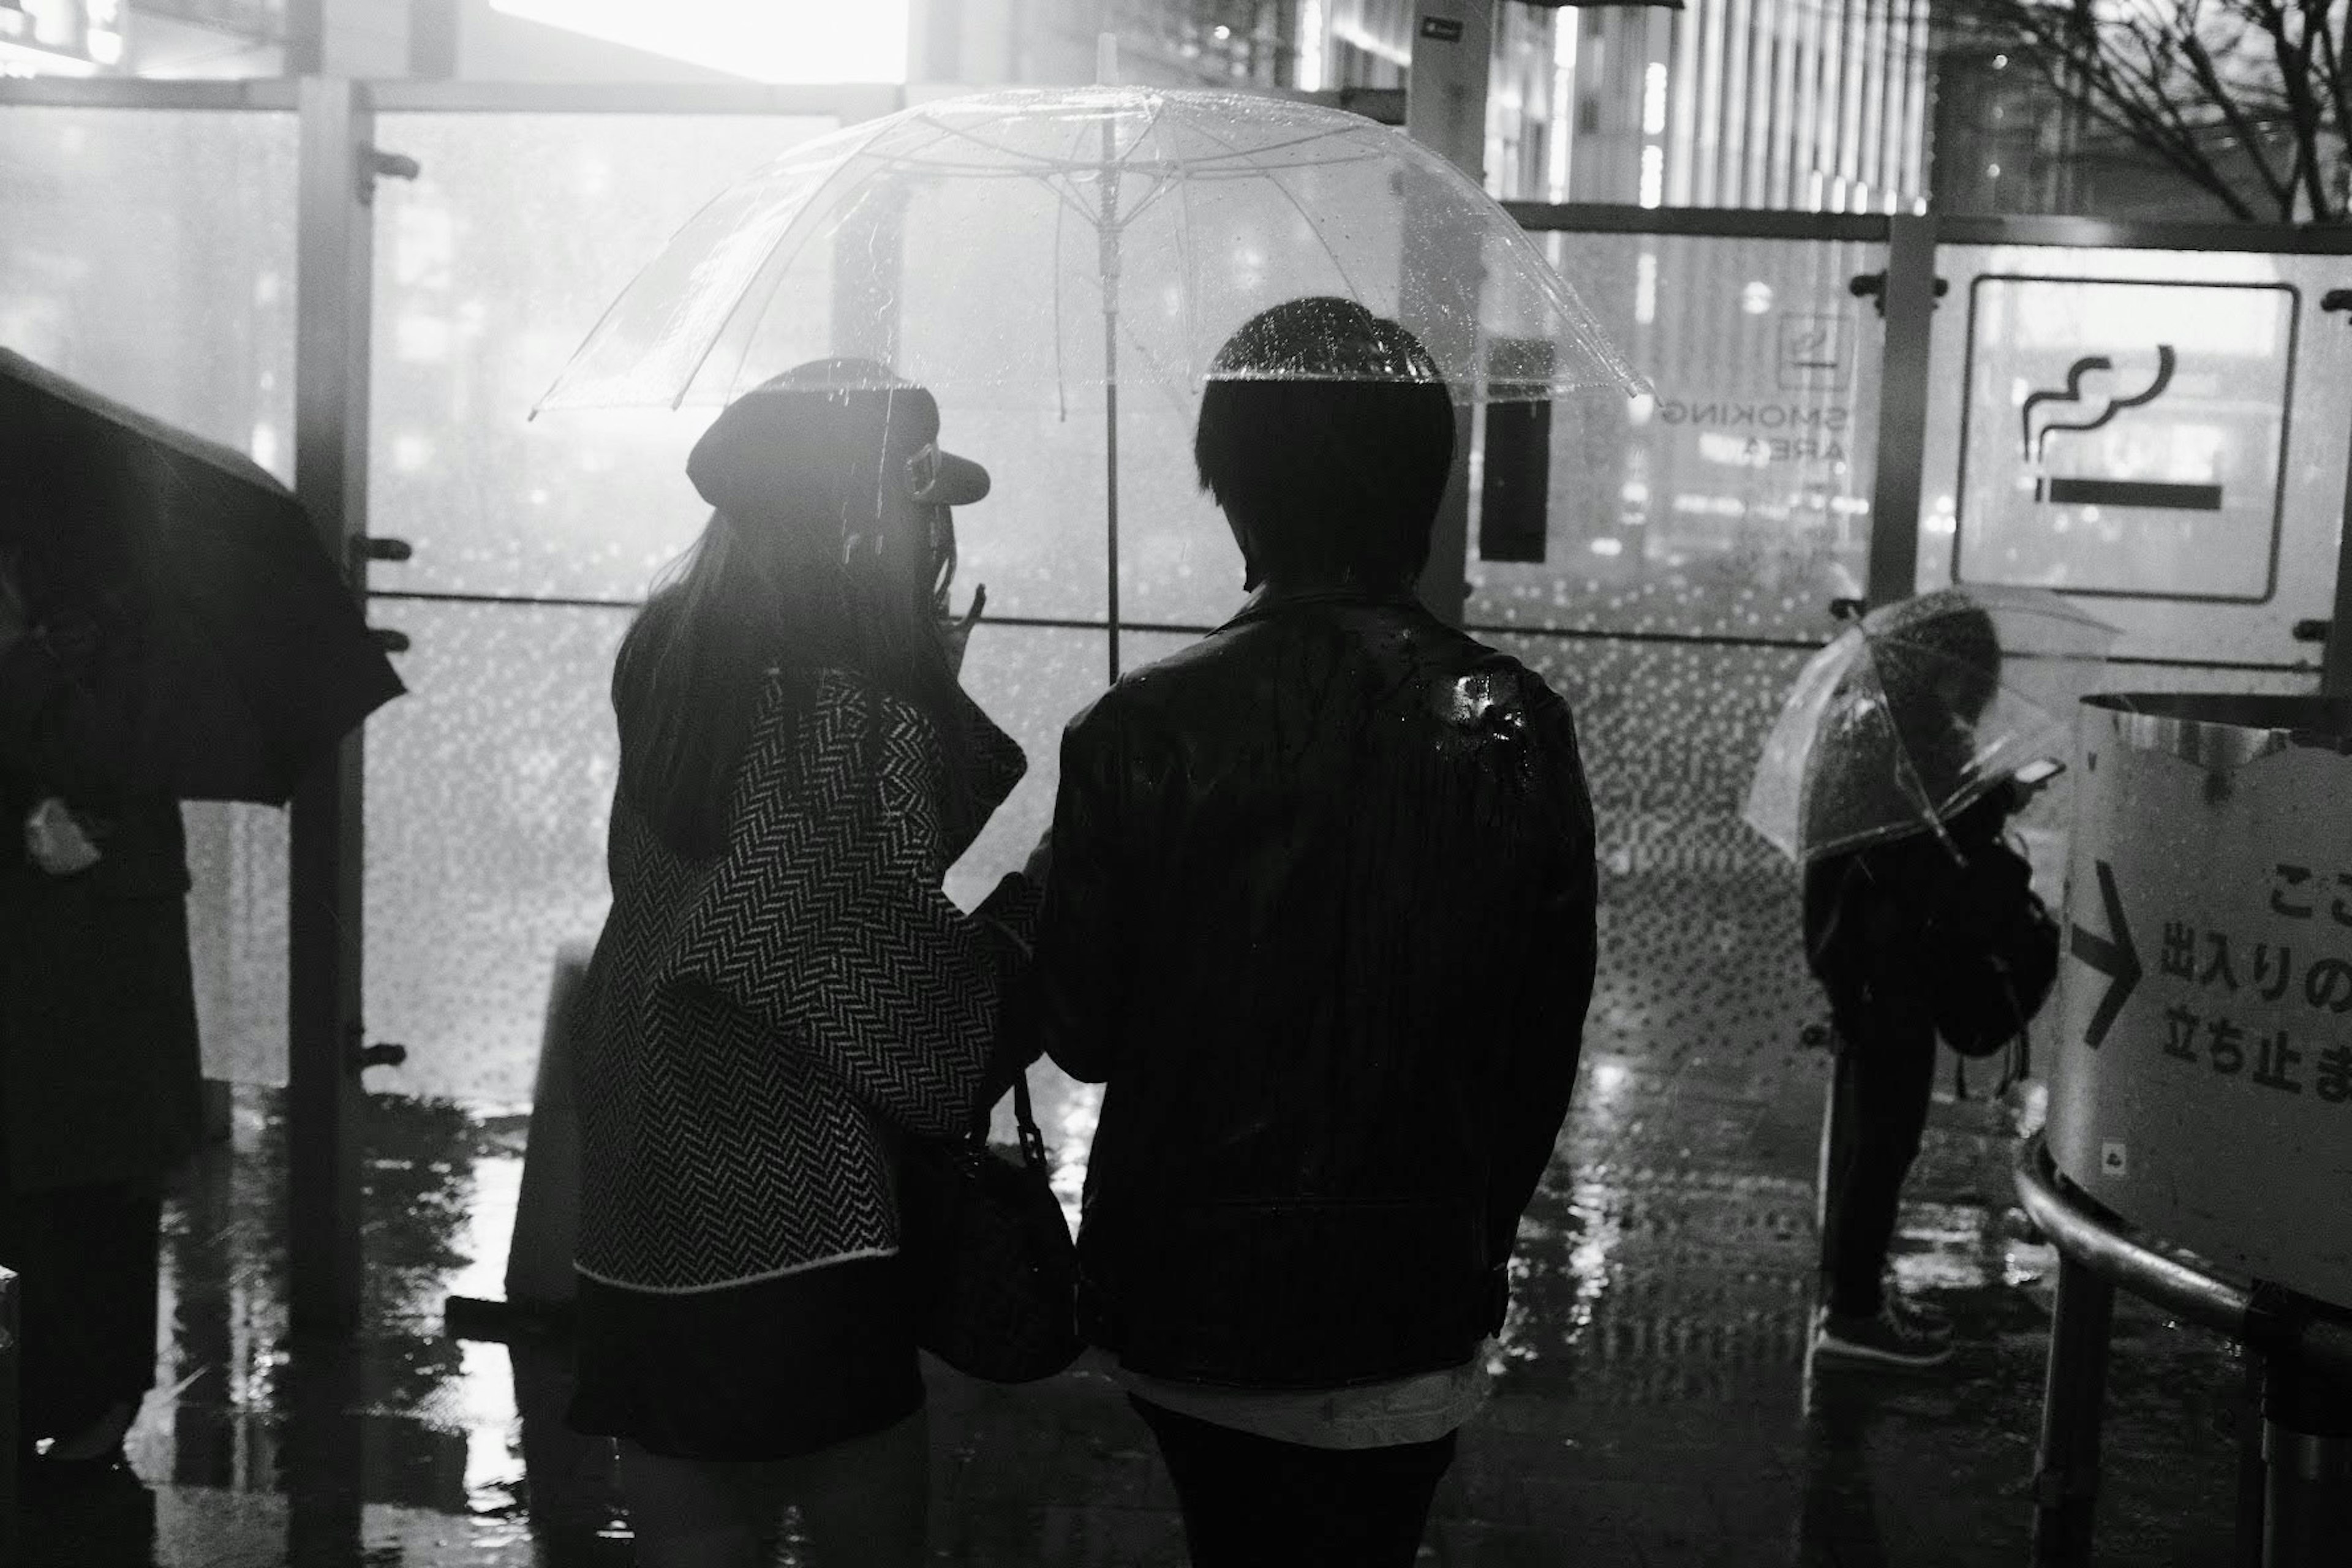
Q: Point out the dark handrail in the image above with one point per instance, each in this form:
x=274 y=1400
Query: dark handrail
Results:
x=2170 y=1278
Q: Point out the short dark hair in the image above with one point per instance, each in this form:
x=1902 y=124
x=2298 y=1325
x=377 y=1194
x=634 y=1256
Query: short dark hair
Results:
x=1325 y=435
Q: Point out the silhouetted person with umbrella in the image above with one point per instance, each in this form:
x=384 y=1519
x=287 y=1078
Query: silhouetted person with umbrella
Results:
x=1881 y=931
x=1319 y=916
x=99 y=1077
x=170 y=630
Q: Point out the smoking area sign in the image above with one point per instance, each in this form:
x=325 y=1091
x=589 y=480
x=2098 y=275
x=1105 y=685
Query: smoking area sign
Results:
x=2203 y=1081
x=2124 y=438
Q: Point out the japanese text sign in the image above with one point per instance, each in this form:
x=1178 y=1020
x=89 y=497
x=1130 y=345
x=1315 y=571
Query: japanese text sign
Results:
x=2203 y=1086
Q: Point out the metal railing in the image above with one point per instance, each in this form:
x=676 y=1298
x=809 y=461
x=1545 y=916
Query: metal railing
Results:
x=2296 y=1466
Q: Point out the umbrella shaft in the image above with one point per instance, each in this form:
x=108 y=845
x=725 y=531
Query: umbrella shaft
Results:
x=1111 y=471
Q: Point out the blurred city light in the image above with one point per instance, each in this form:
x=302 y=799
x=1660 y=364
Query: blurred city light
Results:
x=1314 y=40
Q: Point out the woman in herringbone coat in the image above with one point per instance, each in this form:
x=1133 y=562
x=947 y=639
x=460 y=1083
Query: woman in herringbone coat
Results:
x=782 y=990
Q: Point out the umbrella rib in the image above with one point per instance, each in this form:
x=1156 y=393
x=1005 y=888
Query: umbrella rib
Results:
x=779 y=257
x=772 y=268
x=1907 y=777
x=1238 y=157
x=618 y=299
x=1062 y=205
x=1187 y=296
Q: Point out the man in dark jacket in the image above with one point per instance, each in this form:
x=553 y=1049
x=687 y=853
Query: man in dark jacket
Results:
x=1320 y=918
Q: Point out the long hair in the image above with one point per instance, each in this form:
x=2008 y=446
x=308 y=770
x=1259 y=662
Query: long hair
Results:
x=822 y=577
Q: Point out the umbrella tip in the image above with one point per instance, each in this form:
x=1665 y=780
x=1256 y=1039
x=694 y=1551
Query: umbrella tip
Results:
x=1106 y=60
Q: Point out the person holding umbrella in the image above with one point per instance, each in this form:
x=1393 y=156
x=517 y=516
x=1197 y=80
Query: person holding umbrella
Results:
x=783 y=993
x=1320 y=916
x=171 y=629
x=99 y=1077
x=1905 y=749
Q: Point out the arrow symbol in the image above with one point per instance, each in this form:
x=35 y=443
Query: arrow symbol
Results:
x=2116 y=959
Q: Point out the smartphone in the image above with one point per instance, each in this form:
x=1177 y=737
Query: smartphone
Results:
x=2038 y=772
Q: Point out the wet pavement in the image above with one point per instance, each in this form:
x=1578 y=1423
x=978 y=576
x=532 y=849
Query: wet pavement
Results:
x=1653 y=1405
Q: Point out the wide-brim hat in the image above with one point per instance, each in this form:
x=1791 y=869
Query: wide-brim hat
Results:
x=819 y=423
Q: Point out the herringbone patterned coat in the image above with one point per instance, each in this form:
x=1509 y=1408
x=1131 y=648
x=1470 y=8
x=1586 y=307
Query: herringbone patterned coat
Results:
x=754 y=1026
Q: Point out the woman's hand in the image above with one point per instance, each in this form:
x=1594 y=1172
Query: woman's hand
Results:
x=958 y=633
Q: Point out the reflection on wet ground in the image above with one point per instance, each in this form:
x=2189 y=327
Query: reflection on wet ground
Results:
x=1653 y=1405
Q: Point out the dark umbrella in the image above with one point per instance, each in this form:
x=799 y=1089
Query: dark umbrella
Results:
x=256 y=657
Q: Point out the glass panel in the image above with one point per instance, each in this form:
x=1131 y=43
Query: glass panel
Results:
x=236 y=937
x=491 y=267
x=150 y=255
x=1178 y=563
x=1733 y=503
x=1700 y=949
x=1031 y=680
x=1037 y=542
x=2163 y=431
x=487 y=794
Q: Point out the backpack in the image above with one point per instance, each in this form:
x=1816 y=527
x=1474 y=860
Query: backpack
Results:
x=1990 y=953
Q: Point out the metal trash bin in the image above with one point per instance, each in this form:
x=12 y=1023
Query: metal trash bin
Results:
x=2200 y=1093
x=2202 y=1085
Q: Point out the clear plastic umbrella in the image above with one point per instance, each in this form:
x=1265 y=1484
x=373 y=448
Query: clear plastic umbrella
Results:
x=1916 y=711
x=1029 y=248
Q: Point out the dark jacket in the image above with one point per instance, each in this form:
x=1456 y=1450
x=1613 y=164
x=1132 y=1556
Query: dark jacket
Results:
x=101 y=1080
x=1320 y=916
x=1866 y=919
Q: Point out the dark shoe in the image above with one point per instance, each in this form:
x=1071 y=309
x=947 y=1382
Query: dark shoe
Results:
x=1884 y=1339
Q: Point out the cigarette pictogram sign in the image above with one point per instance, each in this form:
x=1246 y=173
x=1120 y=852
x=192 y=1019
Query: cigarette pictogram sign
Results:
x=2124 y=438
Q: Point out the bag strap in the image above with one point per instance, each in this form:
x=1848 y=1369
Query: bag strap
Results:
x=1024 y=1117
x=1032 y=1142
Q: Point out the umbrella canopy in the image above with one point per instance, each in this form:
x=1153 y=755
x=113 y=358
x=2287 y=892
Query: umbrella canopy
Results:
x=983 y=246
x=256 y=659
x=1916 y=711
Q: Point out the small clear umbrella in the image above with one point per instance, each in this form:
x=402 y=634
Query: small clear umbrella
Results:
x=1015 y=250
x=1914 y=712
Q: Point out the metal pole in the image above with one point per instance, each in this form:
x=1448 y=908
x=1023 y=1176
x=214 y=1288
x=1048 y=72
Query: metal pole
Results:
x=2073 y=1401
x=1446 y=111
x=2335 y=663
x=1107 y=258
x=2254 y=1478
x=10 y=1362
x=331 y=387
x=1909 y=300
x=2306 y=1413
x=2335 y=668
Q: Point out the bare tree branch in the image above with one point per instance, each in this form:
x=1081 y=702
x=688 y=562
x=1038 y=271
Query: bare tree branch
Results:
x=2248 y=99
